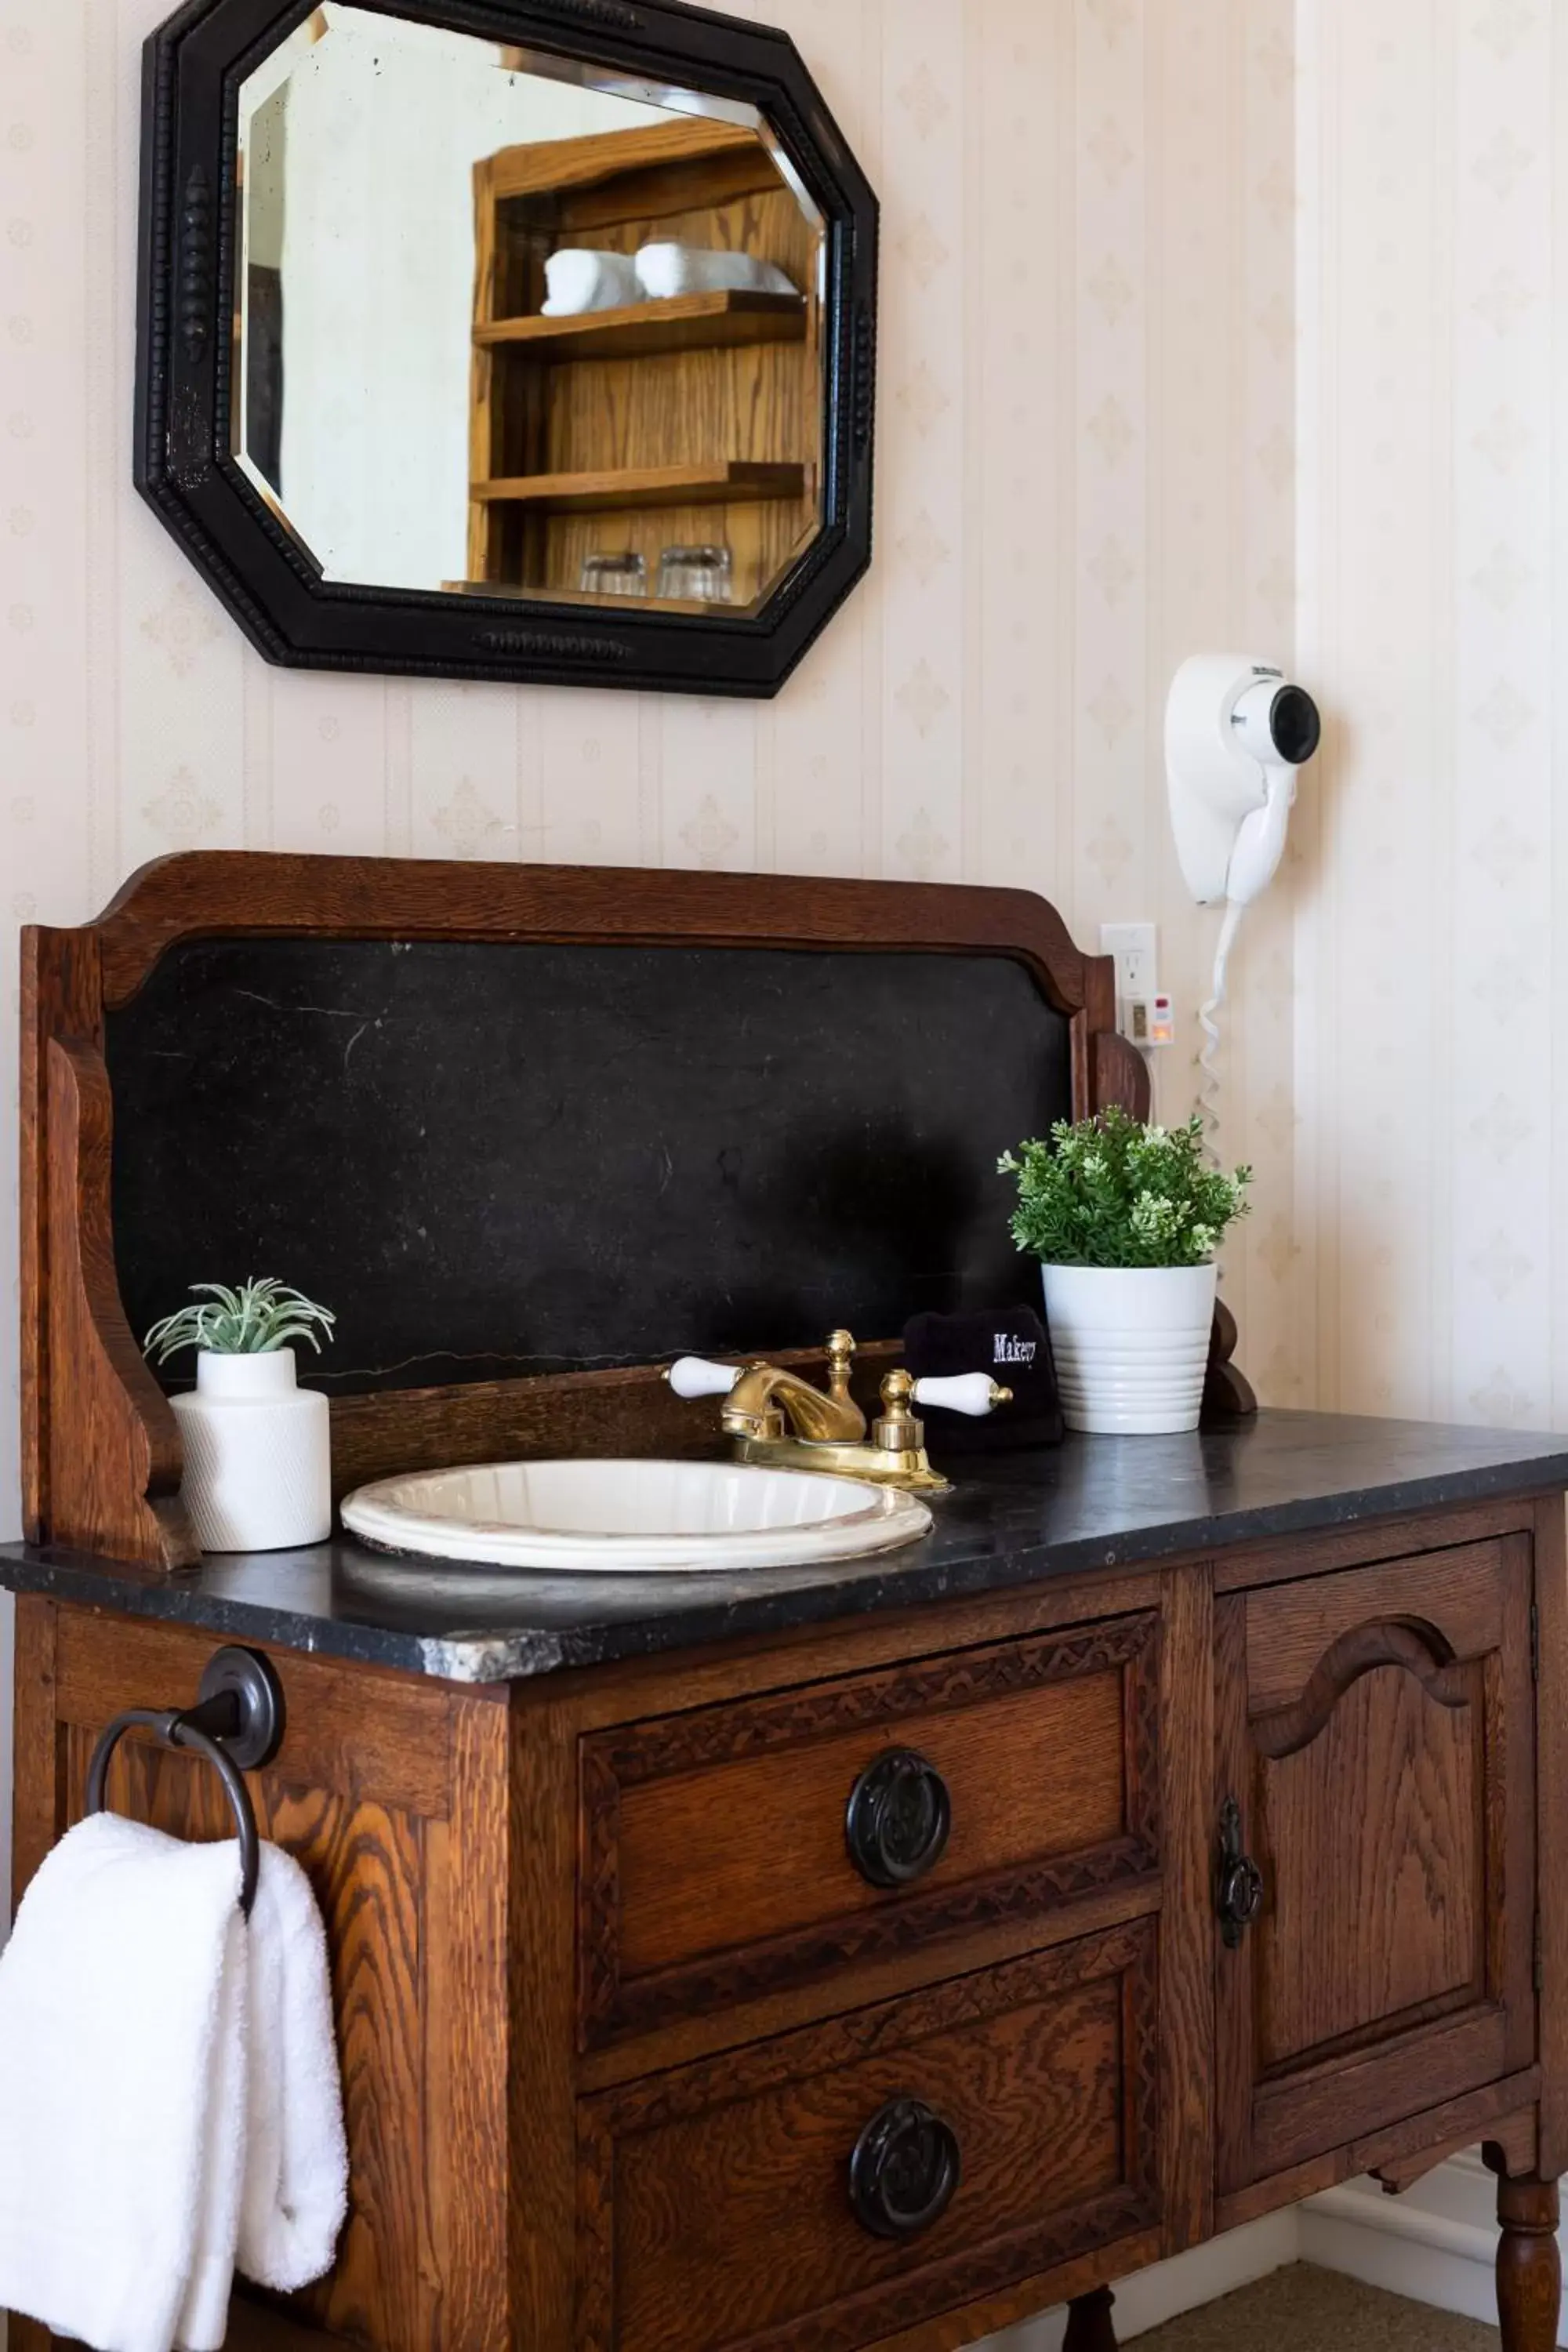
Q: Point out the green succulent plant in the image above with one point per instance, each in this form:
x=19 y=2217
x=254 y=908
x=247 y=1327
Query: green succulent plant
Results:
x=1112 y=1192
x=251 y=1320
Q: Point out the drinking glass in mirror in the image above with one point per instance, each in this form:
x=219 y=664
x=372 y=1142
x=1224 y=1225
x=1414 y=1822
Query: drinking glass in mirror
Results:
x=510 y=323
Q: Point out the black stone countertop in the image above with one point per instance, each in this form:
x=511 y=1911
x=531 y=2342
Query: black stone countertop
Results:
x=1095 y=1502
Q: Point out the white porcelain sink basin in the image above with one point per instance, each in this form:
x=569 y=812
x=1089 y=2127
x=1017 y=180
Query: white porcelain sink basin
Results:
x=621 y=1518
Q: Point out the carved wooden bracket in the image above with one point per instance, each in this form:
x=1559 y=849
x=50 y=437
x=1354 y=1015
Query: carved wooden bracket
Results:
x=1121 y=1073
x=114 y=1443
x=101 y=1446
x=1508 y=2150
x=1228 y=1394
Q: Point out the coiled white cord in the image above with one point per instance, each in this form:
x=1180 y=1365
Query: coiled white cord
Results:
x=1208 y=1080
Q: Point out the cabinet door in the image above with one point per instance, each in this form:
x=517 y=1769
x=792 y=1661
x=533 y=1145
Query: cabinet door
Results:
x=1377 y=1739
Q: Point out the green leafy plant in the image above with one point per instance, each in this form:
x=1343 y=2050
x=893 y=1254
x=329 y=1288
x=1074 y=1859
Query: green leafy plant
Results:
x=1111 y=1191
x=250 y=1321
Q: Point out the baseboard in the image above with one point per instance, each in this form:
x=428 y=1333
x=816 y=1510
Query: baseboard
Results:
x=1151 y=2297
x=1437 y=2244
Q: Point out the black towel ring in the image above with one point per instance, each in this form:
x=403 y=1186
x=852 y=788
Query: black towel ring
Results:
x=237 y=1724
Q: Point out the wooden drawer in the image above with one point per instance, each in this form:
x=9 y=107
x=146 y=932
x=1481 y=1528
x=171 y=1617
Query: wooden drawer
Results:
x=715 y=1861
x=715 y=2202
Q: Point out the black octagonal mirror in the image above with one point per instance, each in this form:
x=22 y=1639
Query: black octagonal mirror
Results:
x=530 y=342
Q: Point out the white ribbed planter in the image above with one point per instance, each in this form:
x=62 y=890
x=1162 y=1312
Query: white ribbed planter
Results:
x=1131 y=1344
x=258 y=1455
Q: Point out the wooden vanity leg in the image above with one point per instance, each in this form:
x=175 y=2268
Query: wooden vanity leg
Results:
x=1529 y=2270
x=1090 y=2327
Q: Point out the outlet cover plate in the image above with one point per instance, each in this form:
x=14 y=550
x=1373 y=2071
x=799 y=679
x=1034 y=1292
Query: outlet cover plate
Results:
x=1137 y=960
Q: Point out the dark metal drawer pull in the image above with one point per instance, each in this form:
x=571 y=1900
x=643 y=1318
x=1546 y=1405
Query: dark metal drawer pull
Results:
x=898 y=1816
x=1239 y=1882
x=904 y=2170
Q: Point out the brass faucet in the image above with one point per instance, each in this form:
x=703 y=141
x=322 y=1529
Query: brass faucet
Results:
x=772 y=1416
x=756 y=1406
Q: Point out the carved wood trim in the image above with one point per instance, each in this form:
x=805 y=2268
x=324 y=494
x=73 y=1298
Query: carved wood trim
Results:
x=61 y=993
x=254 y=894
x=632 y=1757
x=1419 y=1649
x=959 y=2278
x=723 y=1735
x=654 y=2099
x=1457 y=2123
x=1509 y=2147
x=1141 y=2084
x=114 y=1464
x=731 y=1980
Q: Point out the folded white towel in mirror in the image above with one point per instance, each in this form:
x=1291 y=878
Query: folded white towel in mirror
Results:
x=667 y=269
x=170 y=2102
x=579 y=280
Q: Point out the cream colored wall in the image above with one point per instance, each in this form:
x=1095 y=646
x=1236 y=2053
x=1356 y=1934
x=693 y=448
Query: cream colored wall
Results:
x=1431 y=1083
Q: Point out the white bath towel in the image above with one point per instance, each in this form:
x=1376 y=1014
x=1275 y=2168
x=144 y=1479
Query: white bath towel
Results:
x=667 y=269
x=579 y=280
x=170 y=2102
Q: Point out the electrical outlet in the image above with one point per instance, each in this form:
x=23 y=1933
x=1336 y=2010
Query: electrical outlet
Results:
x=1137 y=963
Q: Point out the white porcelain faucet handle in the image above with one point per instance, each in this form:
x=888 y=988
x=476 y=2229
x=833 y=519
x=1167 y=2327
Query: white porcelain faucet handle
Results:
x=693 y=1375
x=975 y=1393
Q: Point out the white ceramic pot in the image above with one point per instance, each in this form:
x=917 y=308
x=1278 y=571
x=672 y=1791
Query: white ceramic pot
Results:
x=258 y=1455
x=1131 y=1344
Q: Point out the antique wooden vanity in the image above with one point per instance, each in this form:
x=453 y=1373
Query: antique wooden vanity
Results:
x=1248 y=1751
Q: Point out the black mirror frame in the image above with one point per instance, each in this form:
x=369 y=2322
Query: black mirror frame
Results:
x=192 y=67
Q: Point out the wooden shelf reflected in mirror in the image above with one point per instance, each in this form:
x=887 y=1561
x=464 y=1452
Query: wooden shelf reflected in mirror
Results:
x=682 y=323
x=630 y=429
x=728 y=483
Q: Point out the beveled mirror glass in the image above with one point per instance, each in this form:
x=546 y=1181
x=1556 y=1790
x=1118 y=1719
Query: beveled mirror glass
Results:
x=512 y=321
x=507 y=338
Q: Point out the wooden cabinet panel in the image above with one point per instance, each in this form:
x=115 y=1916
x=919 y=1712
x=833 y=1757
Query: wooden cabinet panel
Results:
x=366 y=1866
x=715 y=2205
x=1395 y=1924
x=401 y=1827
x=1375 y=1729
x=715 y=1859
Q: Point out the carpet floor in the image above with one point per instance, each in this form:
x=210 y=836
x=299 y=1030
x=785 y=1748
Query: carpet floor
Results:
x=1307 y=2310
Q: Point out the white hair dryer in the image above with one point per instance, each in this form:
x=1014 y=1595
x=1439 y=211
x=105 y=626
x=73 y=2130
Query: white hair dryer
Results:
x=1235 y=732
